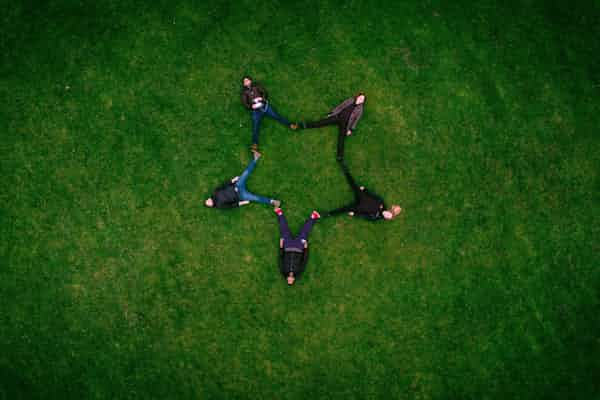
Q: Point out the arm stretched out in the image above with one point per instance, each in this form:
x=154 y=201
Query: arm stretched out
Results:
x=346 y=209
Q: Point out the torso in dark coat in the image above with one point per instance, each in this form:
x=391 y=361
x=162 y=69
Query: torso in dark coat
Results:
x=369 y=205
x=344 y=115
x=226 y=196
x=293 y=261
x=251 y=93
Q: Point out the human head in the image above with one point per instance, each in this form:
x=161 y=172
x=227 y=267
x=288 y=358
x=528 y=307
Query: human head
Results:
x=392 y=212
x=360 y=98
x=209 y=202
x=291 y=279
x=246 y=81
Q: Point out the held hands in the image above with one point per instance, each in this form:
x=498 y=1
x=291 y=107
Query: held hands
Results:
x=235 y=179
x=349 y=132
x=256 y=105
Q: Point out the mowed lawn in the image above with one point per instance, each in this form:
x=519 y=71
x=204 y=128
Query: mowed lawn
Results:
x=118 y=118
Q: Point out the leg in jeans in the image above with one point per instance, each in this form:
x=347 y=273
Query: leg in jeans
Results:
x=257 y=116
x=270 y=111
x=308 y=225
x=322 y=122
x=355 y=189
x=246 y=195
x=241 y=183
x=284 y=229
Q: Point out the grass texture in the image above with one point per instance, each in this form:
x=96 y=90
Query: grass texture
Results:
x=119 y=118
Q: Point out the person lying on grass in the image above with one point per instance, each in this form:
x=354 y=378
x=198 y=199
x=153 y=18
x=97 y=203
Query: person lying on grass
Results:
x=366 y=204
x=234 y=193
x=255 y=98
x=346 y=116
x=293 y=252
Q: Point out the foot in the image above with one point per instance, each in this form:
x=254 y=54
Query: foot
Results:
x=276 y=203
x=278 y=211
x=339 y=158
x=315 y=215
x=294 y=126
x=256 y=154
x=254 y=147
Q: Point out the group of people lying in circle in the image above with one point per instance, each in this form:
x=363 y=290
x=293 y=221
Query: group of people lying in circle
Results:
x=234 y=193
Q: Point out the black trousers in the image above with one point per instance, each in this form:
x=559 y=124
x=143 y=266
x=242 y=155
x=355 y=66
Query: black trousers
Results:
x=333 y=120
x=355 y=189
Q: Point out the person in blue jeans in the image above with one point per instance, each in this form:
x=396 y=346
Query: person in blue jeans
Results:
x=255 y=98
x=234 y=193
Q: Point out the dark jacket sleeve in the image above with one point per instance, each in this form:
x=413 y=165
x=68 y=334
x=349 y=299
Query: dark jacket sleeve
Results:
x=341 y=210
x=354 y=117
x=304 y=258
x=230 y=205
x=245 y=99
x=261 y=90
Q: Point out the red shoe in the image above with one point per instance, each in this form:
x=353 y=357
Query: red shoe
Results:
x=278 y=211
x=315 y=215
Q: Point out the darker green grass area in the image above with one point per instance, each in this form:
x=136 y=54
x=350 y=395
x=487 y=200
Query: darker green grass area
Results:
x=119 y=118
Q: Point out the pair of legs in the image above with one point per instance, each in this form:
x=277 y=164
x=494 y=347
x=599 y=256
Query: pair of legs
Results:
x=241 y=186
x=333 y=120
x=259 y=114
x=286 y=235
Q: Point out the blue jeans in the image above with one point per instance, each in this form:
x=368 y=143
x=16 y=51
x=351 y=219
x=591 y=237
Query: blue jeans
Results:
x=241 y=186
x=258 y=115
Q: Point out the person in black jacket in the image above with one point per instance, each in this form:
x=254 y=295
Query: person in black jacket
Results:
x=366 y=204
x=293 y=252
x=255 y=98
x=234 y=193
x=346 y=115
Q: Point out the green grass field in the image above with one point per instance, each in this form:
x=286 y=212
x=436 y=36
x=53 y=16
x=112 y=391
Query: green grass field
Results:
x=119 y=118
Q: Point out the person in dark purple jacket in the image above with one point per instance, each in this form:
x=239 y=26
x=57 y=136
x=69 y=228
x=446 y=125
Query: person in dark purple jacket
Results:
x=346 y=116
x=293 y=251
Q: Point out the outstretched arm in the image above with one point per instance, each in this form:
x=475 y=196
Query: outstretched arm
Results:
x=346 y=209
x=245 y=100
